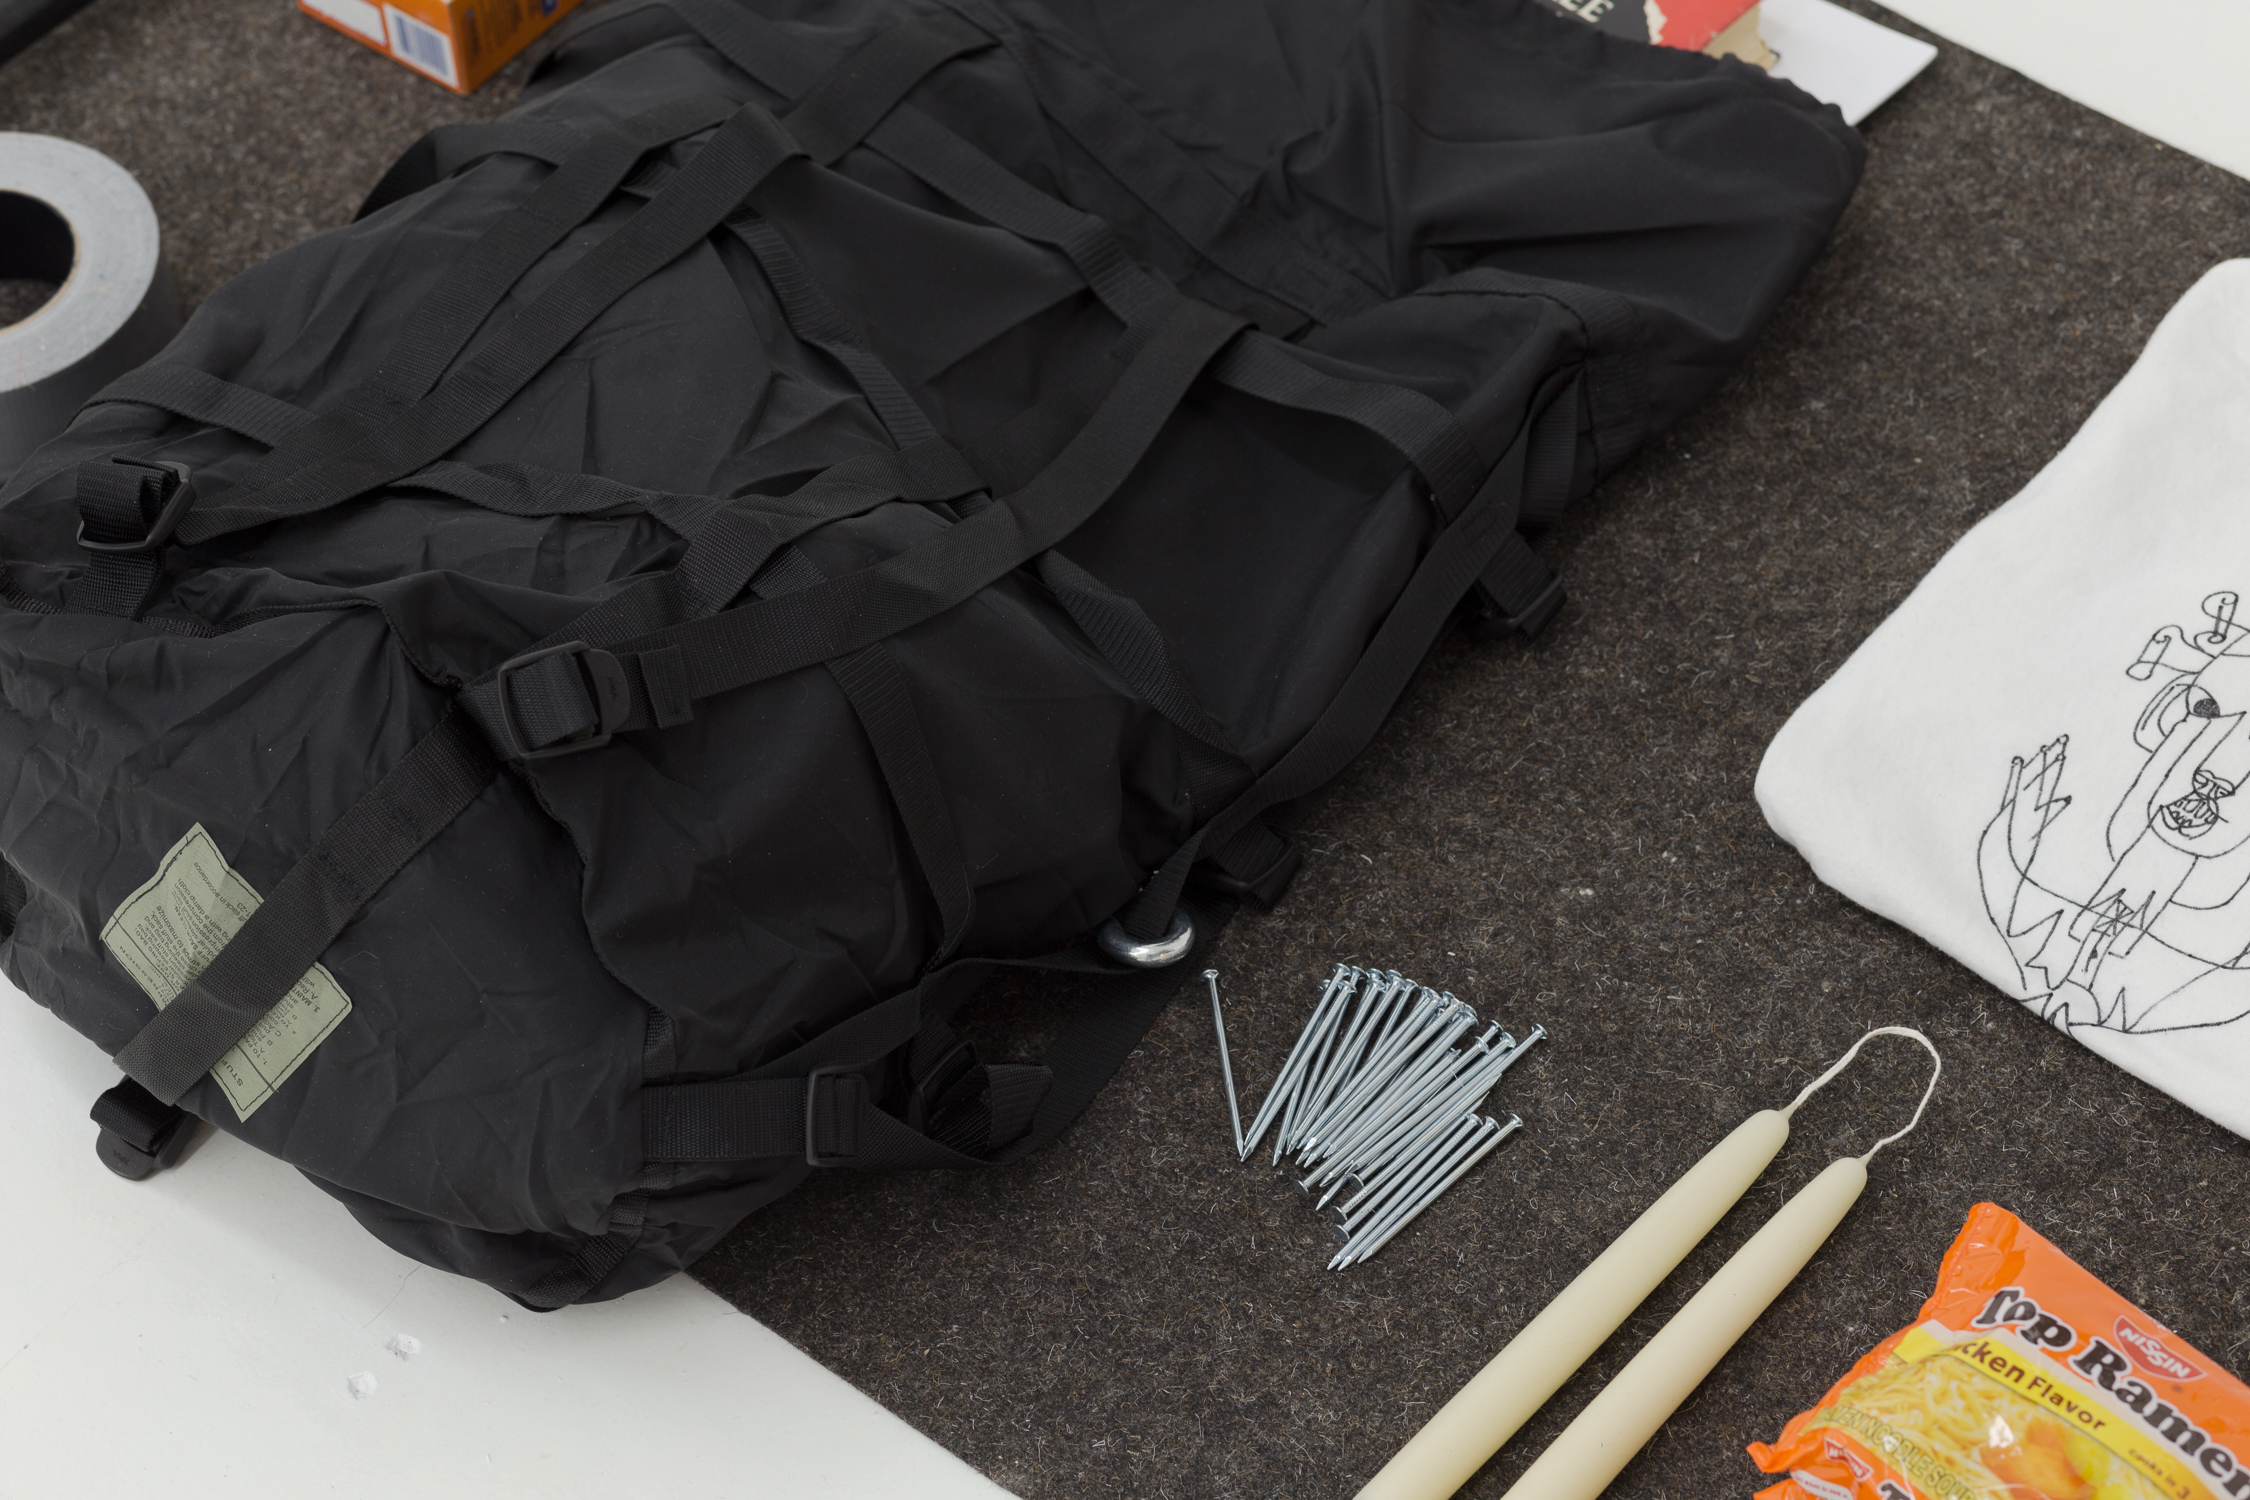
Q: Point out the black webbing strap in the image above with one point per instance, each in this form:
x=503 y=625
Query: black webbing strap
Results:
x=185 y=391
x=1461 y=552
x=415 y=169
x=764 y=1112
x=724 y=553
x=939 y=157
x=445 y=771
x=1259 y=252
x=1131 y=642
x=728 y=550
x=1616 y=368
x=815 y=319
x=488 y=270
x=782 y=62
x=1011 y=455
x=511 y=489
x=350 y=451
x=732 y=1119
x=120 y=507
x=14 y=892
x=447 y=149
x=1525 y=590
x=134 y=1115
x=974 y=180
x=1608 y=397
x=596 y=1258
x=822 y=1085
x=836 y=113
x=1256 y=364
x=872 y=681
x=1013 y=1093
x=1521 y=591
x=1548 y=466
x=1440 y=449
x=876 y=689
x=1518 y=591
x=523 y=490
x=770 y=637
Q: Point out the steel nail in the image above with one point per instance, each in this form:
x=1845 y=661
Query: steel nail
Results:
x=1226 y=1064
x=1384 y=1186
x=1500 y=1133
x=1465 y=1090
x=1315 y=1060
x=1408 y=1043
x=1402 y=1200
x=1447 y=1091
x=1341 y=1063
x=1378 y=1216
x=1398 y=1090
x=1292 y=1069
x=1403 y=1185
x=1349 y=1006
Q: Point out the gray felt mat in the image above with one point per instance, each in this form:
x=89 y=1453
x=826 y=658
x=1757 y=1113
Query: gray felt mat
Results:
x=1562 y=834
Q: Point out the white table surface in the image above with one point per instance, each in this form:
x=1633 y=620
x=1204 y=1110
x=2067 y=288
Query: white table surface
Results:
x=2178 y=70
x=195 y=1334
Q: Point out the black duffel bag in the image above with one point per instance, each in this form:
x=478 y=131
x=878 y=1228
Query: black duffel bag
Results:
x=566 y=684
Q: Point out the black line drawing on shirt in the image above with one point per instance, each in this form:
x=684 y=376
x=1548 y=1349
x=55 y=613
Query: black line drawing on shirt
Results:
x=2162 y=943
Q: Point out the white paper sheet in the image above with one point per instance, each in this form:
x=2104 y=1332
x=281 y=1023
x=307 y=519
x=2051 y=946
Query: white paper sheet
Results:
x=1838 y=57
x=204 y=1333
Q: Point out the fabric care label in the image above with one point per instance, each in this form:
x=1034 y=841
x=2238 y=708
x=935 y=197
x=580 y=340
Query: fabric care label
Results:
x=166 y=932
x=2041 y=761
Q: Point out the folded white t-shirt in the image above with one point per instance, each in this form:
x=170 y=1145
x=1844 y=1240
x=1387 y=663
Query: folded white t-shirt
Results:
x=2041 y=762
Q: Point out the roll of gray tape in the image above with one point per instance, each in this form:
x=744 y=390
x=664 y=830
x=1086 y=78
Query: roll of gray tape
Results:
x=71 y=215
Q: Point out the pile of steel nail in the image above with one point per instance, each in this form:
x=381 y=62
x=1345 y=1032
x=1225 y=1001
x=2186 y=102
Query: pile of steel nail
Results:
x=1381 y=1102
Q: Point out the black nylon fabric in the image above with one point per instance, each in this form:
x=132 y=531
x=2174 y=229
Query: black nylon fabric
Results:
x=605 y=370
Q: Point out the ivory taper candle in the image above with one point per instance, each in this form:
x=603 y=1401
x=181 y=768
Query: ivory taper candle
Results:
x=1487 y=1411
x=1580 y=1464
x=1471 y=1427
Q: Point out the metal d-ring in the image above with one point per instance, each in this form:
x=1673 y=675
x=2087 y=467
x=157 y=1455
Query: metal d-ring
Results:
x=1112 y=938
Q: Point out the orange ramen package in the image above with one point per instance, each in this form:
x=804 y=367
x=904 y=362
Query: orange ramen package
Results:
x=2026 y=1379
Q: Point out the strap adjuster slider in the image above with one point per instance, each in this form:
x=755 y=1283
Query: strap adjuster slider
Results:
x=834 y=1097
x=177 y=503
x=611 y=692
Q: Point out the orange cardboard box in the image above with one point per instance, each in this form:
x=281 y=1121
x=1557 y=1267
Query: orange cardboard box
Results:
x=460 y=43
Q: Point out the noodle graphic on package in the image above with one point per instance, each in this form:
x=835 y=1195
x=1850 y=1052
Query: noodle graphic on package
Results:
x=2026 y=1379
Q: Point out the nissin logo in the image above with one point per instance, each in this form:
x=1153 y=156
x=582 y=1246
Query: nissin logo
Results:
x=2152 y=1355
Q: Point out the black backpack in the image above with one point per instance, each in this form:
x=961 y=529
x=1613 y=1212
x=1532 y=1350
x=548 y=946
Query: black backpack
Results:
x=821 y=504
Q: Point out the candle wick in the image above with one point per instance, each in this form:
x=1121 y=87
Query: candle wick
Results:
x=1936 y=1072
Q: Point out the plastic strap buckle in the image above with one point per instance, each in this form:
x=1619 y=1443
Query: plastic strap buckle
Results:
x=179 y=497
x=933 y=1092
x=1533 y=617
x=612 y=695
x=141 y=1134
x=834 y=1098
